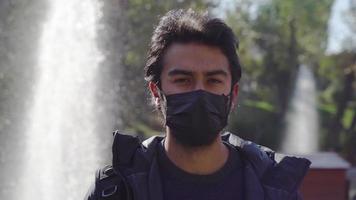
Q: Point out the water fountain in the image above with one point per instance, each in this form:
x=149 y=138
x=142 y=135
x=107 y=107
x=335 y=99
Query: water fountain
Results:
x=301 y=138
x=61 y=148
x=302 y=118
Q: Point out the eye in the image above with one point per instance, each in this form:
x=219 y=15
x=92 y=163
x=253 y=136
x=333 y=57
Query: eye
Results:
x=181 y=80
x=214 y=81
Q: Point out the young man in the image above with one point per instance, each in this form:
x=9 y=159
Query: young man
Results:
x=193 y=72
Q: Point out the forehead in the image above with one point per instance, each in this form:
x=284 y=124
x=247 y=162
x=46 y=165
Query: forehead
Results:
x=194 y=57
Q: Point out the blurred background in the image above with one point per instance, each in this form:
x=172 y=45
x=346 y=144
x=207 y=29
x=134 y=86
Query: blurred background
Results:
x=71 y=72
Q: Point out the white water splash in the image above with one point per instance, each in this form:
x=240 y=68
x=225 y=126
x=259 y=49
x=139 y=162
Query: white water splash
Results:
x=61 y=146
x=302 y=117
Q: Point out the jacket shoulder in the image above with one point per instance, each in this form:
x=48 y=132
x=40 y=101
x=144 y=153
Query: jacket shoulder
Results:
x=261 y=158
x=277 y=172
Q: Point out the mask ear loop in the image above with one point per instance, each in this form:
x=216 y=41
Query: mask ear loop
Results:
x=163 y=103
x=228 y=106
x=230 y=100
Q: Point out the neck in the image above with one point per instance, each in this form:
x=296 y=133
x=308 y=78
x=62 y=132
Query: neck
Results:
x=201 y=160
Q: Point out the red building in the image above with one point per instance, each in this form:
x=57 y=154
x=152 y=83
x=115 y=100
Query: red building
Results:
x=327 y=177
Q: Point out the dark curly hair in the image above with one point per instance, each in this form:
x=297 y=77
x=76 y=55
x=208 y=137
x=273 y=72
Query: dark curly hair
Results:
x=185 y=26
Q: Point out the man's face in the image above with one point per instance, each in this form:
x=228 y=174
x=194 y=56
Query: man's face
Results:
x=193 y=66
x=187 y=68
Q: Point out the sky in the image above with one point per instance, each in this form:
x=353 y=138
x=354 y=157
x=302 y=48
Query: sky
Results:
x=338 y=29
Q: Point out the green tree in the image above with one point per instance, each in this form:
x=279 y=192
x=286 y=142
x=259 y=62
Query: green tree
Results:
x=276 y=37
x=337 y=73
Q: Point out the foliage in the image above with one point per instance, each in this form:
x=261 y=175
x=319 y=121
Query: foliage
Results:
x=275 y=38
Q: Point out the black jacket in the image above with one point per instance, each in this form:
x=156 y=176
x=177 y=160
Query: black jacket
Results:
x=134 y=174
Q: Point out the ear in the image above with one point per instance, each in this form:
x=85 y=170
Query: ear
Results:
x=235 y=92
x=154 y=92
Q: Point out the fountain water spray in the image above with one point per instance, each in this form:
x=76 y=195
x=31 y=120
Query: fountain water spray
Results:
x=302 y=117
x=61 y=145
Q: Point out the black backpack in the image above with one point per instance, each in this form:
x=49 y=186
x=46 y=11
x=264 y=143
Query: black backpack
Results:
x=110 y=184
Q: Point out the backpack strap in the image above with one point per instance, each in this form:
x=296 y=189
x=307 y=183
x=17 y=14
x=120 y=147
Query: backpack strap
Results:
x=124 y=149
x=110 y=185
x=110 y=182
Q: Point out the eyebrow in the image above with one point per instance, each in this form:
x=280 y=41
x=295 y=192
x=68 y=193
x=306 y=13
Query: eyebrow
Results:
x=180 y=72
x=217 y=72
x=190 y=73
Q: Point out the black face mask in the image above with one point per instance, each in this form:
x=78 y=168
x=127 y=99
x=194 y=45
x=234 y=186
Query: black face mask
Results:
x=196 y=118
